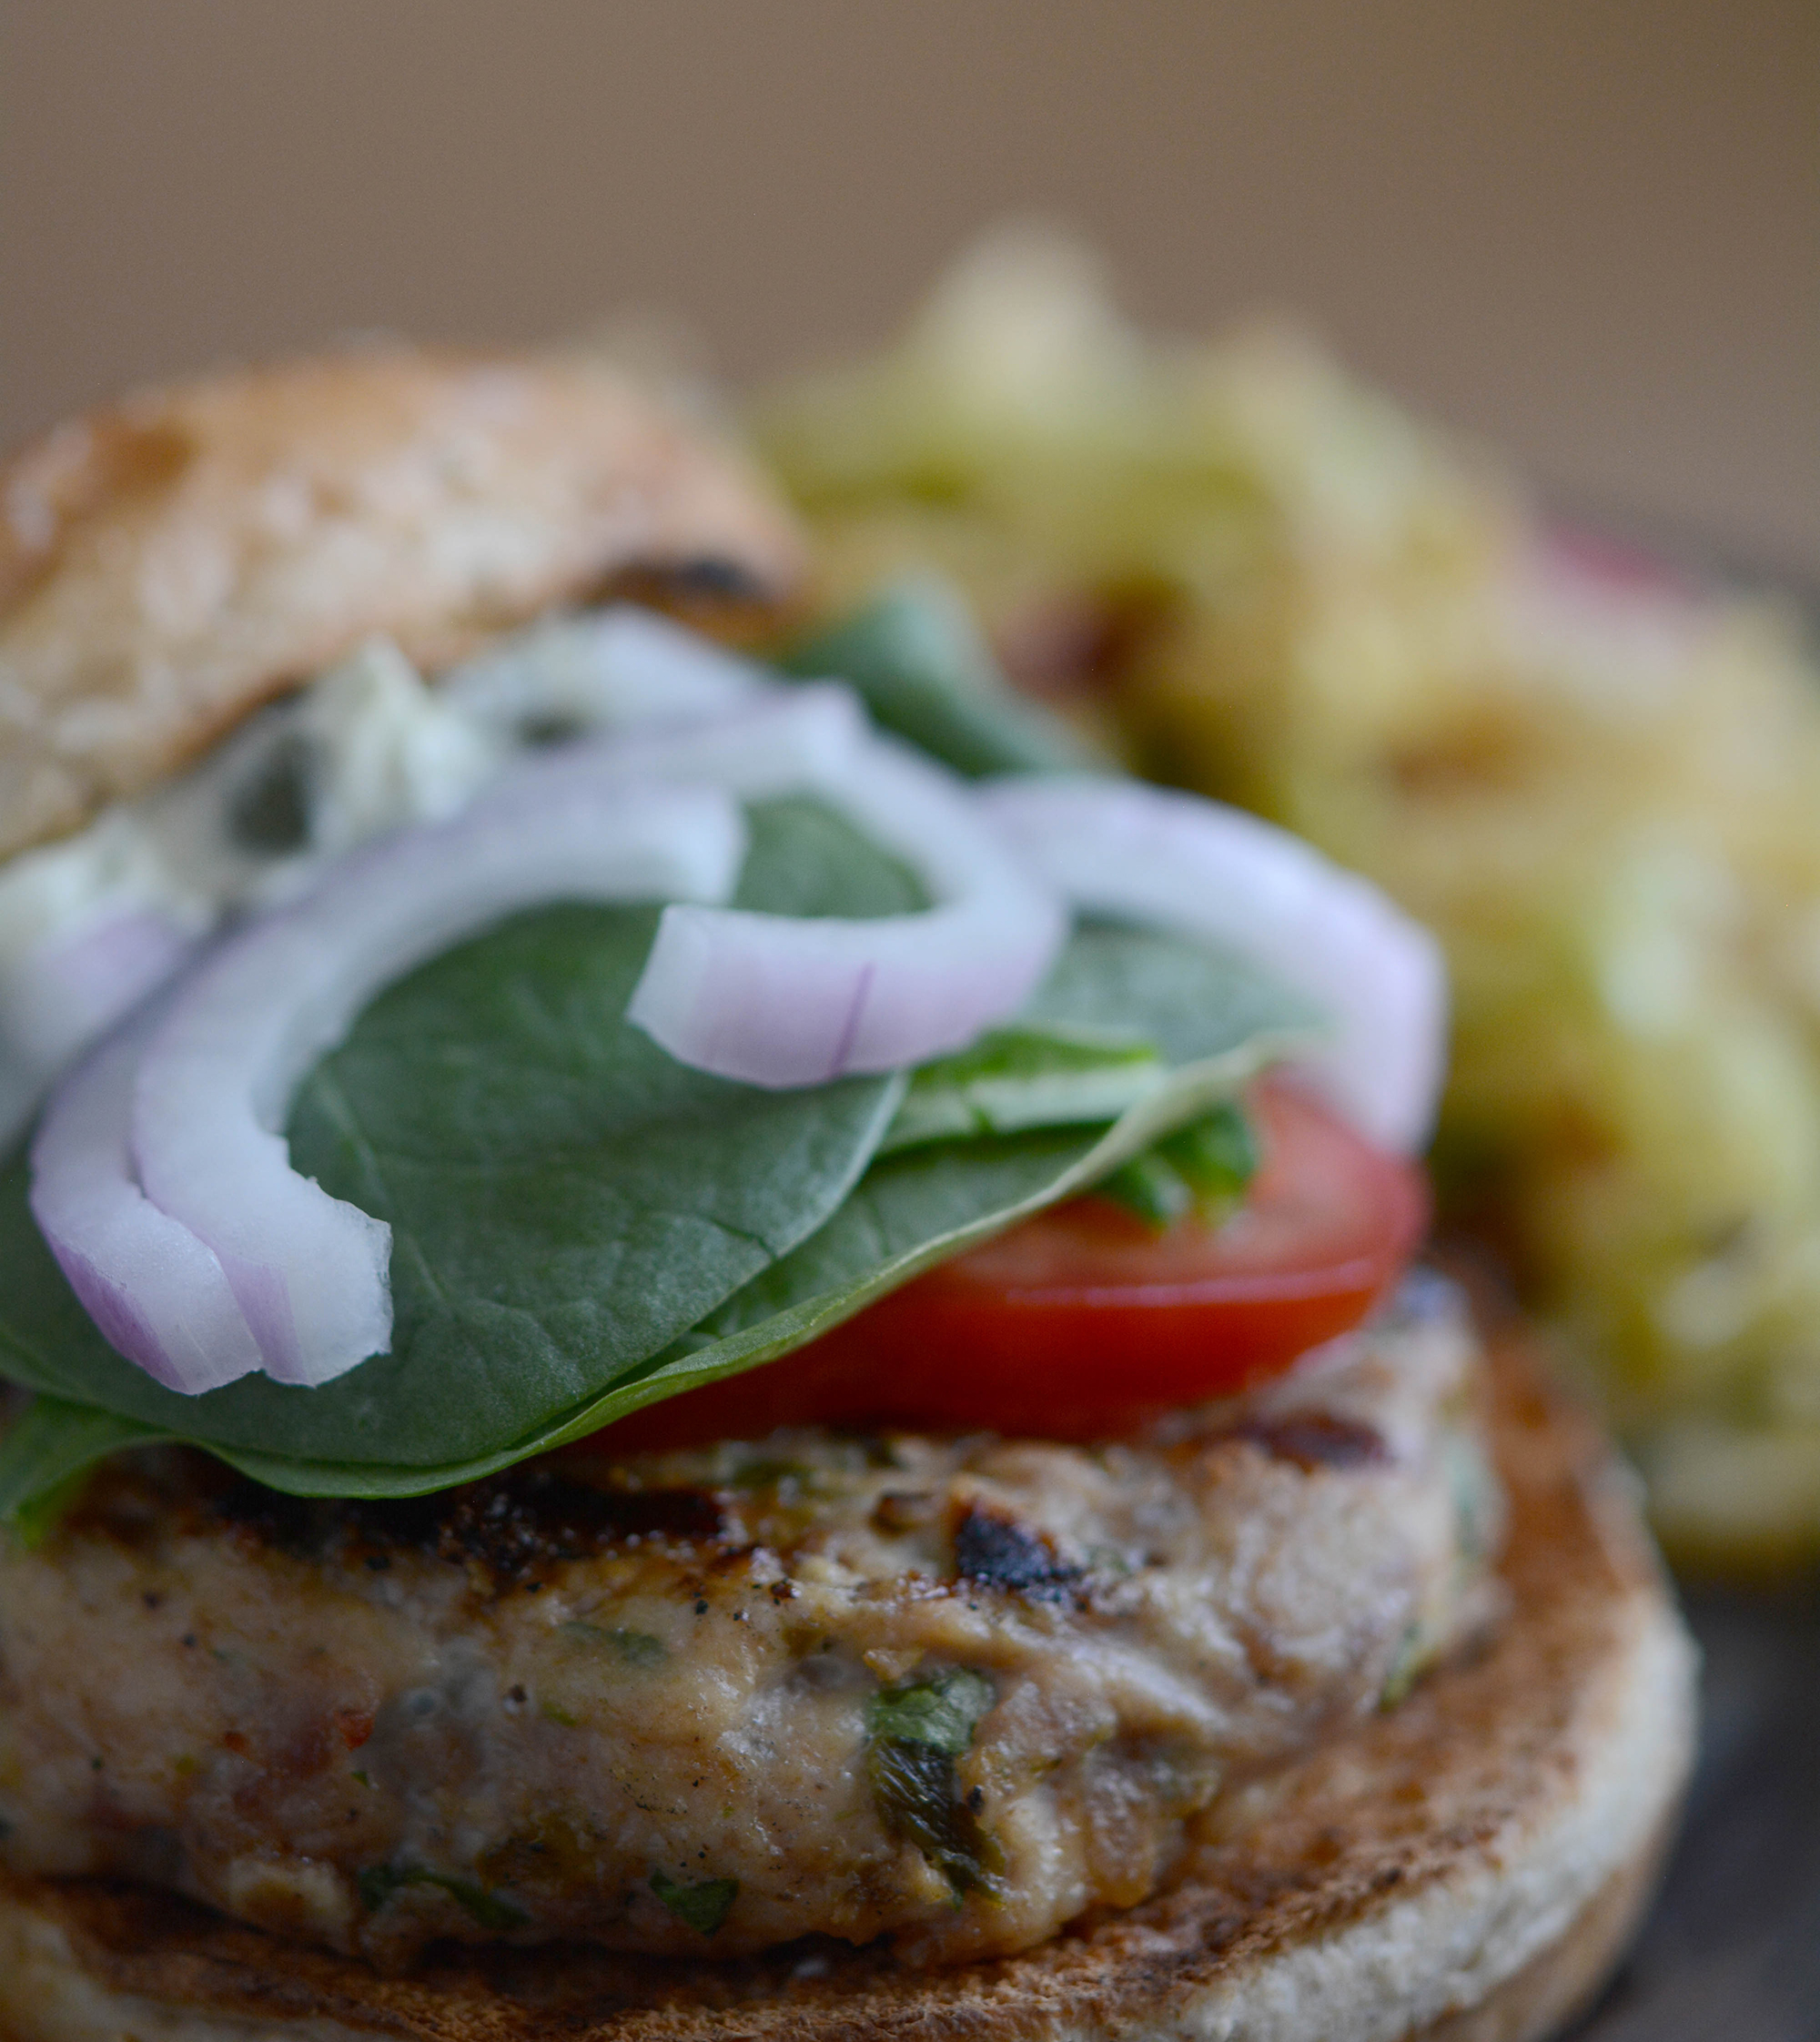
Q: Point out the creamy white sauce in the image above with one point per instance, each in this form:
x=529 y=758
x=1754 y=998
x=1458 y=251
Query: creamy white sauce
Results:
x=92 y=925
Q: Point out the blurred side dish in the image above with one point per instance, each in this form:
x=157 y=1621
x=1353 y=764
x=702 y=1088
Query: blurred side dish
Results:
x=1599 y=780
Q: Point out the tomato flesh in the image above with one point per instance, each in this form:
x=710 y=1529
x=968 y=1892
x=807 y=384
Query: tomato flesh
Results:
x=1085 y=1321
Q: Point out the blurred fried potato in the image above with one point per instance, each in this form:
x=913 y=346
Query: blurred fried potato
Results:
x=1600 y=783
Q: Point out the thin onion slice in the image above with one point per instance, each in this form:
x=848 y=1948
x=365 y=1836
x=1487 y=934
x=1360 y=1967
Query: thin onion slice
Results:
x=70 y=988
x=780 y=1001
x=157 y=1293
x=794 y=740
x=215 y=1082
x=1176 y=862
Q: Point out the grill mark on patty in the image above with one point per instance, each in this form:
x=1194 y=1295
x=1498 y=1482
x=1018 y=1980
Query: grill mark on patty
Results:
x=998 y=1553
x=513 y=1527
x=1315 y=1440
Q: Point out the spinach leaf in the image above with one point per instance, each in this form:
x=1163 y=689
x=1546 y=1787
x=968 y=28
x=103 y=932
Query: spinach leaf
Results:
x=458 y=1412
x=45 y=1454
x=1190 y=1001
x=565 y=1198
x=915 y=657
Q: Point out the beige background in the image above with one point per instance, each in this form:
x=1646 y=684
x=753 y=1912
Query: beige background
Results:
x=1590 y=228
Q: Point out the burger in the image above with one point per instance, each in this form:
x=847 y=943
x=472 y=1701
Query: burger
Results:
x=713 y=1347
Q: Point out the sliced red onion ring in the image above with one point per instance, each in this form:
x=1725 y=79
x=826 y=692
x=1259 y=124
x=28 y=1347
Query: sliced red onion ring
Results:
x=779 y=1000
x=73 y=988
x=157 y=1293
x=794 y=740
x=1176 y=862
x=69 y=989
x=217 y=1076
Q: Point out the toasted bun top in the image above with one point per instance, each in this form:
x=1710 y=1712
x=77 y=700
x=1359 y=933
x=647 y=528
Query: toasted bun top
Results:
x=1462 y=1868
x=168 y=564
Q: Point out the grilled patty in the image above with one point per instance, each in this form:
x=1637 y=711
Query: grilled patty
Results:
x=954 y=1692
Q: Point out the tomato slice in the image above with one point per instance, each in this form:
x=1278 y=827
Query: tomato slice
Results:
x=1085 y=1321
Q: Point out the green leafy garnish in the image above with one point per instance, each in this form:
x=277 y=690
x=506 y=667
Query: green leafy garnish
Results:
x=1203 y=1168
x=582 y=1226
x=45 y=1454
x=1216 y=1156
x=1019 y=1077
x=1148 y=1186
x=943 y=1712
x=378 y=1883
x=915 y=657
x=703 y=1907
x=636 y=1648
x=914 y=1733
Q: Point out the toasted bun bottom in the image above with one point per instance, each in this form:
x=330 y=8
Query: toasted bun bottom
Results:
x=1465 y=1866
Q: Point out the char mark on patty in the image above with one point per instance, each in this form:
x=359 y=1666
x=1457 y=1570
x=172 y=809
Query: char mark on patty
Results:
x=998 y=1553
x=513 y=1527
x=1315 y=1440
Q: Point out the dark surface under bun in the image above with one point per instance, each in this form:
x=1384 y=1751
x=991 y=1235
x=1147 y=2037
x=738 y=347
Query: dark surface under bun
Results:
x=167 y=564
x=1465 y=1865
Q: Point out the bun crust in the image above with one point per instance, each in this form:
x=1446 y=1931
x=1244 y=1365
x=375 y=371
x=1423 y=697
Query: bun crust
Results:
x=168 y=564
x=1465 y=1866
